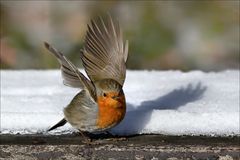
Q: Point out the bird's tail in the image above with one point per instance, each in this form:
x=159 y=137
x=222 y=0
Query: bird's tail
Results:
x=59 y=124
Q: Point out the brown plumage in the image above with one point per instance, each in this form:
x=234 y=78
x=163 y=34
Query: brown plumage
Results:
x=100 y=104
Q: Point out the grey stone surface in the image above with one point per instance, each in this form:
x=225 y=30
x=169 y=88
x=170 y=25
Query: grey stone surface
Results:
x=139 y=147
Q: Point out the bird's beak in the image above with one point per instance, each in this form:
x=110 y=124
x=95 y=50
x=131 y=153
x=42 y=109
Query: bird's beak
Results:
x=115 y=97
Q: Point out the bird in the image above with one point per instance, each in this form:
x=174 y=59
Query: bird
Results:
x=100 y=103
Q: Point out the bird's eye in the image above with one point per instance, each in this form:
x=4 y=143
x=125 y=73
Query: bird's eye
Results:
x=104 y=95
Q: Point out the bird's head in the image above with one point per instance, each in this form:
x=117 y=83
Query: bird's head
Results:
x=110 y=93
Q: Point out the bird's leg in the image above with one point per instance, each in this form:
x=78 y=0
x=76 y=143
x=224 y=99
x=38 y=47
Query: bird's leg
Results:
x=109 y=134
x=86 y=138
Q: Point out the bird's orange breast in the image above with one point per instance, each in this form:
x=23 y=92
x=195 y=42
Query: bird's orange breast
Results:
x=111 y=111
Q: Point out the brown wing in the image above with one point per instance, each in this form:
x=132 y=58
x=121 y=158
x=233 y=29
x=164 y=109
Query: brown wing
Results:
x=71 y=75
x=104 y=54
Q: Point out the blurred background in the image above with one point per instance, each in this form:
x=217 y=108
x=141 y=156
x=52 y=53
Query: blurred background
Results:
x=162 y=34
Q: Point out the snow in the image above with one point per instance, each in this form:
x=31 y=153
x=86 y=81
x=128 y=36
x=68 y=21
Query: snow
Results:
x=159 y=102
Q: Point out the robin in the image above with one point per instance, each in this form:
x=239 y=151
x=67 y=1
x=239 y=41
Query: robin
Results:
x=100 y=105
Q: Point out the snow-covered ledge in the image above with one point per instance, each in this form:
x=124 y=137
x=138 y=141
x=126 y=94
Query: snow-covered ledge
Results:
x=159 y=102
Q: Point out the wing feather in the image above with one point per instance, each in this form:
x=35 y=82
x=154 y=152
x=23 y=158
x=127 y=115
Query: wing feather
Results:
x=104 y=53
x=71 y=75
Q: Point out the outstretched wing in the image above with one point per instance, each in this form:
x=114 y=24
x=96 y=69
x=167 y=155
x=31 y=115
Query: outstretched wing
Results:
x=104 y=54
x=71 y=75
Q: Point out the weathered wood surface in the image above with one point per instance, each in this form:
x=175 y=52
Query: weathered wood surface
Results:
x=153 y=147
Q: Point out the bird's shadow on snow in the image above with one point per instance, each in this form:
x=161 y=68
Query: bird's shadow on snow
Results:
x=137 y=117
